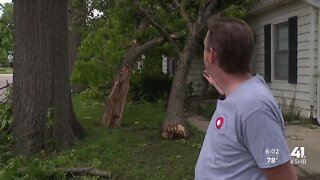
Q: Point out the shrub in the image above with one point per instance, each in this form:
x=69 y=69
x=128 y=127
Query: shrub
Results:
x=91 y=95
x=91 y=74
x=149 y=86
x=6 y=122
x=6 y=119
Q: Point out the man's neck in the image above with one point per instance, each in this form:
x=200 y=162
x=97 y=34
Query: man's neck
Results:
x=231 y=82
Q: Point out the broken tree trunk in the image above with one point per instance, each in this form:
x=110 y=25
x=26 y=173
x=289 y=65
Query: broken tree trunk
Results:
x=117 y=98
x=115 y=102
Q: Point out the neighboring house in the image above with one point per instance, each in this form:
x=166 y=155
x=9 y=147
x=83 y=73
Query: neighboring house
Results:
x=194 y=79
x=286 y=51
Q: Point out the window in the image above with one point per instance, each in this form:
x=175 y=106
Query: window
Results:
x=285 y=49
x=169 y=65
x=281 y=51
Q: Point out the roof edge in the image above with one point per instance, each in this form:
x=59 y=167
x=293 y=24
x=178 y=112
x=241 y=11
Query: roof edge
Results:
x=315 y=3
x=265 y=5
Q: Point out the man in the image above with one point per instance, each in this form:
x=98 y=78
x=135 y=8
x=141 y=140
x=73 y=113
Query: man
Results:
x=245 y=139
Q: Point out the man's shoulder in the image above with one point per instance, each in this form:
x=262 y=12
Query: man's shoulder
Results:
x=256 y=97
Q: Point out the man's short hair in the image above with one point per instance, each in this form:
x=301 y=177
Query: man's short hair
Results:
x=233 y=41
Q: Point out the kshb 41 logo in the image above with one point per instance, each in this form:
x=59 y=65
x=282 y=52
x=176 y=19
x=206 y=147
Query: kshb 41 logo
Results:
x=298 y=156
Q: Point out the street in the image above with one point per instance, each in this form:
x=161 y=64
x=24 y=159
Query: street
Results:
x=3 y=79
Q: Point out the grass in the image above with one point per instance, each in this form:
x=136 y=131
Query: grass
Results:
x=134 y=151
x=6 y=70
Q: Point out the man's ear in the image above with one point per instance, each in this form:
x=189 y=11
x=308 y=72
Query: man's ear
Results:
x=213 y=56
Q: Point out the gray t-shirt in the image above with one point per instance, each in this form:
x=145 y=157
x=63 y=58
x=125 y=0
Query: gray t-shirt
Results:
x=246 y=133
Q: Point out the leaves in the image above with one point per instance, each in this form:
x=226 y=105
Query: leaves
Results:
x=6 y=31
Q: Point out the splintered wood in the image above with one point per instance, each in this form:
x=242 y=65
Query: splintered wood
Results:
x=178 y=131
x=117 y=98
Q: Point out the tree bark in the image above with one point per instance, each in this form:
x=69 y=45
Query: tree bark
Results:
x=73 y=43
x=114 y=104
x=41 y=77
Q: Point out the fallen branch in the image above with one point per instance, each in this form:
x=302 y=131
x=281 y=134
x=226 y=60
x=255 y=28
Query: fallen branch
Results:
x=81 y=171
x=8 y=84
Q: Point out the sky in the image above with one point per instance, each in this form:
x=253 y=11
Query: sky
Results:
x=5 y=1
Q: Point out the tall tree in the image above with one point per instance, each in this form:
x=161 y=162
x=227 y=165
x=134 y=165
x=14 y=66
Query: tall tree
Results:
x=41 y=91
x=173 y=125
x=194 y=14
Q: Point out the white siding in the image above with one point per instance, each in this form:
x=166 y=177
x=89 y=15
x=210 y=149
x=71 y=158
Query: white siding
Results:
x=195 y=76
x=306 y=67
x=164 y=64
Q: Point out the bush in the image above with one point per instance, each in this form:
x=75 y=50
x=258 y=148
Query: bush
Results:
x=92 y=95
x=6 y=119
x=6 y=122
x=206 y=108
x=149 y=86
x=91 y=74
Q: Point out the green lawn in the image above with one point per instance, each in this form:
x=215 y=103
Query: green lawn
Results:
x=6 y=70
x=134 y=151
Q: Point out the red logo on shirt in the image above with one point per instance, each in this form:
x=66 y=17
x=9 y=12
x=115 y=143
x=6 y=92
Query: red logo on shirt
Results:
x=219 y=122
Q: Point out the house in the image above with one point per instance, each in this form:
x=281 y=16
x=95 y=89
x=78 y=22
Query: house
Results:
x=194 y=79
x=286 y=51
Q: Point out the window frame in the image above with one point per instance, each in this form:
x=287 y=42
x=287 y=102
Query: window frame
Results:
x=274 y=51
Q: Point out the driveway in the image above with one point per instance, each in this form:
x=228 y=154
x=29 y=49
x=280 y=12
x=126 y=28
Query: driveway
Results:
x=309 y=138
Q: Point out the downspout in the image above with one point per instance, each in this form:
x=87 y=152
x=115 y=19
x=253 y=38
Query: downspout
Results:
x=312 y=61
x=318 y=70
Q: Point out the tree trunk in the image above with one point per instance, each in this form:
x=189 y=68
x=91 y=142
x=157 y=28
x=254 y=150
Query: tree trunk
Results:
x=174 y=126
x=41 y=77
x=73 y=38
x=73 y=43
x=114 y=105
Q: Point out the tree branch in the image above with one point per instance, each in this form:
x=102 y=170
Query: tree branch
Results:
x=135 y=51
x=201 y=11
x=6 y=85
x=87 y=170
x=156 y=25
x=184 y=15
x=206 y=9
x=209 y=6
x=149 y=44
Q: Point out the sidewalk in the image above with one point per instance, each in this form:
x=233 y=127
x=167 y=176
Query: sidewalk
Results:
x=297 y=136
